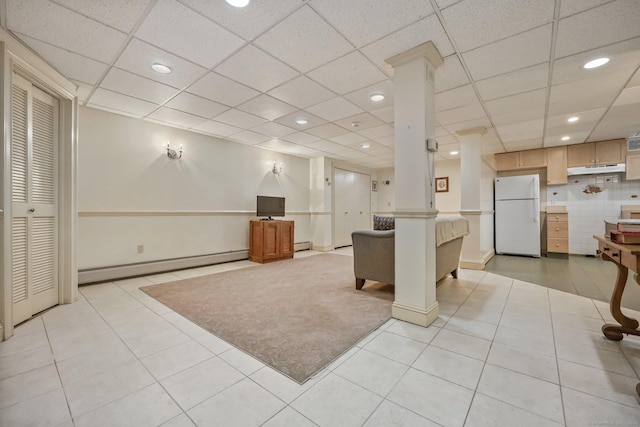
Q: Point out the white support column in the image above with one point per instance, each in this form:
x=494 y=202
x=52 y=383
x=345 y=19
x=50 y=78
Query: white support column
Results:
x=415 y=240
x=473 y=255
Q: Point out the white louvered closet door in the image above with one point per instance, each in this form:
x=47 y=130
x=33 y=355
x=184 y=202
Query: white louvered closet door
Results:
x=34 y=131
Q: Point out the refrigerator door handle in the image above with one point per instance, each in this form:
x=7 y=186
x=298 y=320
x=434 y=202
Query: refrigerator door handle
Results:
x=535 y=217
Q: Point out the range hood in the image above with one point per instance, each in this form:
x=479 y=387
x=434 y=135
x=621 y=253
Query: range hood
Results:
x=592 y=170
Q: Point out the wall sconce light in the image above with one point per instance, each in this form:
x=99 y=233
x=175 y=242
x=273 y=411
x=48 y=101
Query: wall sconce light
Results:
x=277 y=168
x=171 y=153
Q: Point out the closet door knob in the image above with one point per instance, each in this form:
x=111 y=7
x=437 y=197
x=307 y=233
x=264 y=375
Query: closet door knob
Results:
x=32 y=210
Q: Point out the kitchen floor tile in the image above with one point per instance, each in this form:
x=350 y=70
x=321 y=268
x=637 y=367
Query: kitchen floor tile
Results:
x=390 y=414
x=289 y=417
x=49 y=408
x=175 y=359
x=453 y=367
x=466 y=345
x=486 y=411
x=27 y=385
x=583 y=409
x=395 y=347
x=532 y=364
x=375 y=373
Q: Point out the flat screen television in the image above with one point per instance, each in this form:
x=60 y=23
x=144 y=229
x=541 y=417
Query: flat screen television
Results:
x=268 y=206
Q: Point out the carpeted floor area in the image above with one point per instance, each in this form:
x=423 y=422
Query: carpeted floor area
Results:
x=296 y=315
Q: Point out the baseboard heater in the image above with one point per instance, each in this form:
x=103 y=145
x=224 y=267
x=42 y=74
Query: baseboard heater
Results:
x=103 y=274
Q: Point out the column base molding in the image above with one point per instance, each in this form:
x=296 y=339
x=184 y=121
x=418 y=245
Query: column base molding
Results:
x=416 y=315
x=322 y=248
x=480 y=264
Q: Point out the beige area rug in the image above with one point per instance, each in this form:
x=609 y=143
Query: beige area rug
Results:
x=296 y=315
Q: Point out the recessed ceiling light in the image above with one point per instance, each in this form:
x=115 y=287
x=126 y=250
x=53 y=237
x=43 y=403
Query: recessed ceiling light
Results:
x=453 y=153
x=573 y=119
x=365 y=145
x=376 y=97
x=598 y=62
x=162 y=69
x=565 y=138
x=238 y=3
x=302 y=121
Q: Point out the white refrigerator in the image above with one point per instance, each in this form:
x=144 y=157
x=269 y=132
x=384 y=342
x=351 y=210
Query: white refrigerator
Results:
x=517 y=204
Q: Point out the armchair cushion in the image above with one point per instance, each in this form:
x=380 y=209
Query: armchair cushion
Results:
x=383 y=222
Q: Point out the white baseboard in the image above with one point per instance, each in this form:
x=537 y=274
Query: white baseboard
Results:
x=478 y=265
x=101 y=274
x=415 y=315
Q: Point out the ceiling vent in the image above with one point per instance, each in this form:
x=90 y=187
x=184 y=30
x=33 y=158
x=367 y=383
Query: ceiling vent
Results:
x=633 y=143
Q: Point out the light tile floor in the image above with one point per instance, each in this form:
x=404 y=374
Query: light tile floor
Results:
x=503 y=353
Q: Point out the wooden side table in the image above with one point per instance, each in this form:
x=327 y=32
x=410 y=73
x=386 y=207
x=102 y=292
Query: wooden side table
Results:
x=625 y=257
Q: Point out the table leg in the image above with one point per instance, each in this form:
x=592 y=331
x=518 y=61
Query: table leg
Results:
x=627 y=324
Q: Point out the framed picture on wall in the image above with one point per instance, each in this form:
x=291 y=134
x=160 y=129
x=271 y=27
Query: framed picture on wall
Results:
x=442 y=184
x=374 y=185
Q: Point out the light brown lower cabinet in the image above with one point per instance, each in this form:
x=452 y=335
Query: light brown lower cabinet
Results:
x=558 y=233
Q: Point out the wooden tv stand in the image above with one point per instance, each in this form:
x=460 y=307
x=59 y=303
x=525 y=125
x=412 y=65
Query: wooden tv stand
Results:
x=270 y=240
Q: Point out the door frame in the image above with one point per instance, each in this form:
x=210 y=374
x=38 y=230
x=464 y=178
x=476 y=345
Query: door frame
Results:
x=15 y=57
x=349 y=168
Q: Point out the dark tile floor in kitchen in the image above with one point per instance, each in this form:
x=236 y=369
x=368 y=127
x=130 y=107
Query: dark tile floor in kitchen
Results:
x=587 y=276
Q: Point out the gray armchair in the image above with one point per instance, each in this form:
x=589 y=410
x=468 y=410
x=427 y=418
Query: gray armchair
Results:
x=374 y=256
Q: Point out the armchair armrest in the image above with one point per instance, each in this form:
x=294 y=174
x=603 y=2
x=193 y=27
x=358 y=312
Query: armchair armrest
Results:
x=373 y=256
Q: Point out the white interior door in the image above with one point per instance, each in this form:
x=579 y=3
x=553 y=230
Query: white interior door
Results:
x=352 y=205
x=34 y=130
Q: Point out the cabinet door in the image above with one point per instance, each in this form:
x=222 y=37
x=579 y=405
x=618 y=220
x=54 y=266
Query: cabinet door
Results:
x=286 y=242
x=557 y=165
x=533 y=159
x=507 y=161
x=633 y=166
x=271 y=240
x=581 y=154
x=610 y=152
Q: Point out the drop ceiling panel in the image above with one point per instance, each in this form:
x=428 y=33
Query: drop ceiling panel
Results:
x=635 y=80
x=218 y=129
x=120 y=14
x=389 y=141
x=450 y=74
x=329 y=147
x=72 y=65
x=458 y=97
x=196 y=105
x=272 y=129
x=519 y=115
x=427 y=29
x=624 y=57
x=304 y=40
x=69 y=30
x=377 y=132
x=384 y=114
x=629 y=96
x=126 y=83
x=248 y=22
x=267 y=107
x=455 y=115
x=615 y=22
x=248 y=137
x=220 y=89
x=138 y=57
x=177 y=29
x=468 y=124
x=301 y=138
x=334 y=109
x=118 y=102
x=239 y=119
x=348 y=138
x=348 y=73
x=522 y=101
x=475 y=23
x=302 y=92
x=528 y=144
x=177 y=118
x=582 y=103
x=571 y=7
x=521 y=131
x=587 y=116
x=515 y=53
x=607 y=88
x=256 y=69
x=525 y=80
x=359 y=122
x=282 y=147
x=326 y=131
x=363 y=21
x=619 y=122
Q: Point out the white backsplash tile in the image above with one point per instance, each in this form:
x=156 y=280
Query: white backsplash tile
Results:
x=587 y=212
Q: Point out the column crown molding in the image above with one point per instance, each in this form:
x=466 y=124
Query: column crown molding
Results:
x=426 y=50
x=480 y=129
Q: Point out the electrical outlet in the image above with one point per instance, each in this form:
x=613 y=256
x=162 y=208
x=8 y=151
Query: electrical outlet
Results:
x=140 y=249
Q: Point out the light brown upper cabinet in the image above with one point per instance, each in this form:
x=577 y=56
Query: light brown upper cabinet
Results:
x=557 y=165
x=596 y=153
x=633 y=166
x=528 y=159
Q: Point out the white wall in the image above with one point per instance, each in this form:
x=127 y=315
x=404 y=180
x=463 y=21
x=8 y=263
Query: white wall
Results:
x=130 y=193
x=449 y=202
x=386 y=203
